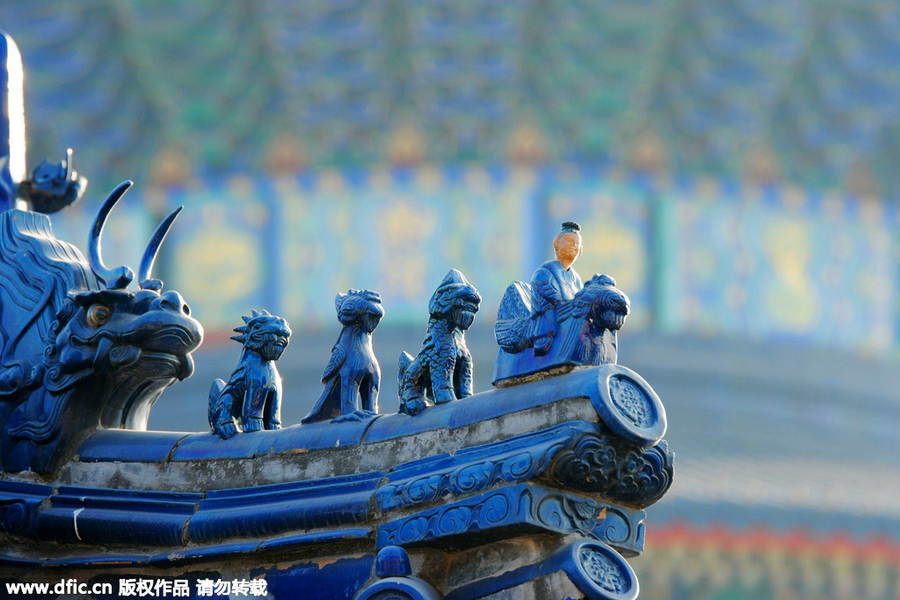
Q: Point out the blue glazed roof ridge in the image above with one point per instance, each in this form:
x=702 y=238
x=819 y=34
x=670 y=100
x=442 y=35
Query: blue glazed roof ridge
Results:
x=30 y=488
x=175 y=446
x=99 y=445
x=272 y=511
x=487 y=405
x=105 y=445
x=369 y=423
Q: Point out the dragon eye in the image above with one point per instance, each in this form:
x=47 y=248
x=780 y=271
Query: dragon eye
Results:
x=98 y=315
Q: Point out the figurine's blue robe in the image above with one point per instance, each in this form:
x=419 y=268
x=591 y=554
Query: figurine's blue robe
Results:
x=552 y=284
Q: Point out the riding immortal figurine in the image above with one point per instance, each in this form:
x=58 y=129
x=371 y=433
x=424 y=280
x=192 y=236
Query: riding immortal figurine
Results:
x=556 y=322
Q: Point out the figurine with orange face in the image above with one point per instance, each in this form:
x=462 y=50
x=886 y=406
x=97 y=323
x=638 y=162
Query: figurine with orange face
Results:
x=553 y=282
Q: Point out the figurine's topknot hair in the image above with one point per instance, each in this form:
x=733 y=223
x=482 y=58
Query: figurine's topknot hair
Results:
x=571 y=226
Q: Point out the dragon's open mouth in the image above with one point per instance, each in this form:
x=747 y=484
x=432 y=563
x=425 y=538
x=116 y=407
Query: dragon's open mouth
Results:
x=371 y=321
x=467 y=316
x=160 y=365
x=613 y=319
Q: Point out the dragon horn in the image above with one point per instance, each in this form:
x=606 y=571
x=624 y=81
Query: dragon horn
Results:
x=153 y=249
x=120 y=277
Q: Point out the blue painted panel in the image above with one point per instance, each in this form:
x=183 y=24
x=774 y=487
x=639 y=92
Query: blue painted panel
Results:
x=357 y=230
x=220 y=244
x=785 y=265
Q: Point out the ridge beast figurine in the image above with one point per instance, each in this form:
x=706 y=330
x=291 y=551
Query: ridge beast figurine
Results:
x=556 y=322
x=443 y=367
x=352 y=376
x=251 y=400
x=80 y=351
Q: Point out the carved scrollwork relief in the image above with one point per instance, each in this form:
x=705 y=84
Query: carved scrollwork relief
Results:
x=520 y=504
x=604 y=465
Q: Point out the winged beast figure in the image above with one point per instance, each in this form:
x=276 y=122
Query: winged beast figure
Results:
x=352 y=376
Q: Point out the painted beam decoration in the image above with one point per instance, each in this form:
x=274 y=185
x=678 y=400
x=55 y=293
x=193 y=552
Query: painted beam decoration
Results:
x=536 y=486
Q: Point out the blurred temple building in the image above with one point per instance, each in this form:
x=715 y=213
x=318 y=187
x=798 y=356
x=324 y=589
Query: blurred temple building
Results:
x=732 y=163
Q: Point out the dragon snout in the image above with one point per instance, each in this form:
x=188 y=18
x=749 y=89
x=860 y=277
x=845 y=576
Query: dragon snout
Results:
x=168 y=326
x=171 y=301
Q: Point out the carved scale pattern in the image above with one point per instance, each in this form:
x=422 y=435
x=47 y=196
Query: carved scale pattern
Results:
x=606 y=465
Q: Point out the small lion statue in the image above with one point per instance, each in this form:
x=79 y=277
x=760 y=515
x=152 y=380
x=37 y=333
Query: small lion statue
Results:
x=251 y=400
x=352 y=376
x=443 y=368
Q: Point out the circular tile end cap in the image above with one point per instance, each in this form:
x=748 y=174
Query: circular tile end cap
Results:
x=629 y=406
x=600 y=573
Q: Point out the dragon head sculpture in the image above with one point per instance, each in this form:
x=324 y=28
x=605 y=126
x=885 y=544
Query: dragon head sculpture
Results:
x=79 y=350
